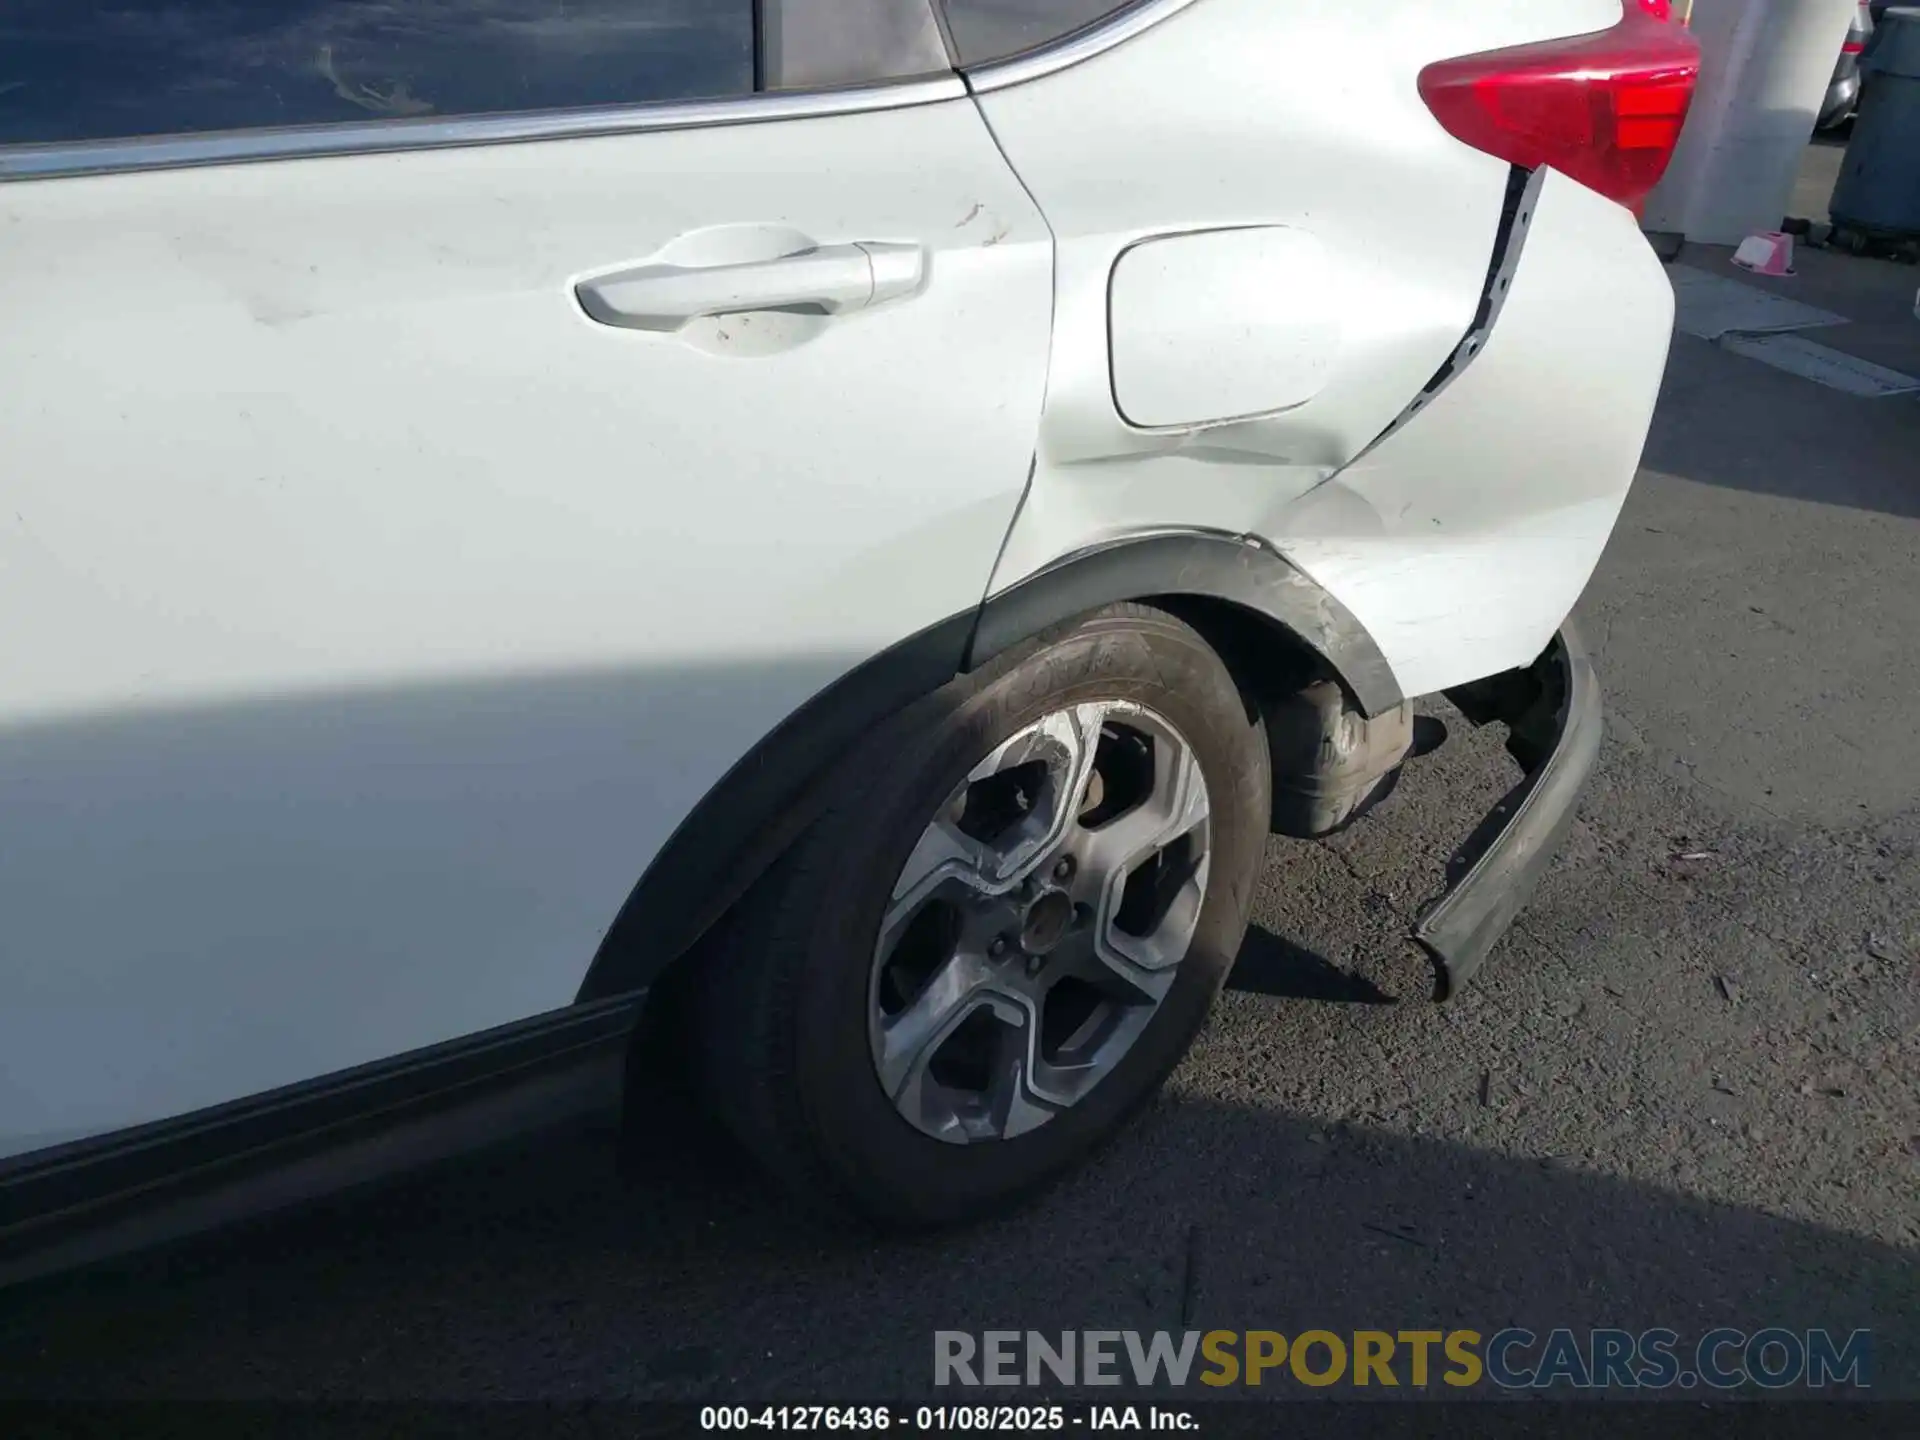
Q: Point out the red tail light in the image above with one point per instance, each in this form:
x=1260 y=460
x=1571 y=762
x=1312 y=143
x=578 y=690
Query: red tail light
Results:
x=1604 y=109
x=1854 y=47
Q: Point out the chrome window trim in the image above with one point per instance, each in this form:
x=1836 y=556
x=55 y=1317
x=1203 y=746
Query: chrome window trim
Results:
x=225 y=147
x=1073 y=49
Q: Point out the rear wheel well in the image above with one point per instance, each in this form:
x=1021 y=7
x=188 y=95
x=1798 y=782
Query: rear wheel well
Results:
x=1276 y=631
x=1266 y=659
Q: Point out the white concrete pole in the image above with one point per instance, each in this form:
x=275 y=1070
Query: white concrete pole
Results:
x=1764 y=69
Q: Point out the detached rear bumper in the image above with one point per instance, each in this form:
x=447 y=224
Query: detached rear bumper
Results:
x=1553 y=713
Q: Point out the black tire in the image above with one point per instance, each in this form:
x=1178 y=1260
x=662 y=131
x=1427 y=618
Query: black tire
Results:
x=780 y=1005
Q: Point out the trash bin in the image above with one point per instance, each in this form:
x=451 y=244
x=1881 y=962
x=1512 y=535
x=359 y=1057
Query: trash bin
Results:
x=1879 y=190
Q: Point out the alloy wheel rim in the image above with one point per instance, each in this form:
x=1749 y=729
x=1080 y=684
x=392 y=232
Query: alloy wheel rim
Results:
x=1039 y=922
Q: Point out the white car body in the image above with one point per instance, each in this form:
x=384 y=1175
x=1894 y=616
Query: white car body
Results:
x=377 y=615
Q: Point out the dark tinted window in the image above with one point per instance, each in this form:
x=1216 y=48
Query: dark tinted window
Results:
x=986 y=30
x=815 y=44
x=103 y=69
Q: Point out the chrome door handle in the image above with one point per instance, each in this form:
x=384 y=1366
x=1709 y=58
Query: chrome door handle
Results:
x=830 y=279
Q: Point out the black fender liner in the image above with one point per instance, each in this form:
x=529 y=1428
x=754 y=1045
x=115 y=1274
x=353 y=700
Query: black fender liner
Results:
x=1242 y=571
x=773 y=793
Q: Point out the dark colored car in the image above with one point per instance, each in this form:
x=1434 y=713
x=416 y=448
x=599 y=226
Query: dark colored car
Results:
x=1843 y=91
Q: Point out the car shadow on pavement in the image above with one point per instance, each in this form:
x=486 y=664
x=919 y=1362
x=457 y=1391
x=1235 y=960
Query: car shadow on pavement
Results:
x=545 y=1271
x=1270 y=964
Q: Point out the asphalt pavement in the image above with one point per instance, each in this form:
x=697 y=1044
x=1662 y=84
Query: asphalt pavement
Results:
x=1685 y=1091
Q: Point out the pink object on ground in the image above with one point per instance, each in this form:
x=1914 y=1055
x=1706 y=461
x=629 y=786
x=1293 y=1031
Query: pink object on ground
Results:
x=1768 y=253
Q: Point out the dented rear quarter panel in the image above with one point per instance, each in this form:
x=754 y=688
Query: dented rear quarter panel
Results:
x=1462 y=540
x=1407 y=219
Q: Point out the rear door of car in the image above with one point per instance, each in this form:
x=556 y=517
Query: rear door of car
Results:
x=406 y=518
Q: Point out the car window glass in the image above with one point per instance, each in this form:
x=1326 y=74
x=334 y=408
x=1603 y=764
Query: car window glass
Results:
x=985 y=30
x=818 y=44
x=108 y=69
